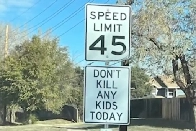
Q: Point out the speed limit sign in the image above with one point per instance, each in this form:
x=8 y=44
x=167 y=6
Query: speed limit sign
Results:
x=108 y=32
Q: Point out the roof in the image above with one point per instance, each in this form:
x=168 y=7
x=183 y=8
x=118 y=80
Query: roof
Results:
x=164 y=82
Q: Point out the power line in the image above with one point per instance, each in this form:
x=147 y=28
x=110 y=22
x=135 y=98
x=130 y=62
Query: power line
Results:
x=66 y=19
x=115 y=63
x=76 y=24
x=71 y=28
x=40 y=13
x=60 y=10
x=79 y=62
x=25 y=11
x=66 y=5
x=37 y=15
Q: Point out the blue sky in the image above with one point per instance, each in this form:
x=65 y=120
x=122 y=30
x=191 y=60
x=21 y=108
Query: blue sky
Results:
x=42 y=14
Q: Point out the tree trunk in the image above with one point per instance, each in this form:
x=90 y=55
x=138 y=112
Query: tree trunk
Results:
x=4 y=113
x=194 y=117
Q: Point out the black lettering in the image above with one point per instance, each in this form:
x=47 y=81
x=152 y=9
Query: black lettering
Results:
x=109 y=73
x=93 y=16
x=107 y=85
x=103 y=73
x=102 y=48
x=113 y=86
x=106 y=94
x=119 y=25
x=99 y=84
x=98 y=104
x=114 y=106
x=114 y=27
x=105 y=115
x=113 y=93
x=118 y=73
x=123 y=16
x=115 y=43
x=114 y=15
x=108 y=28
x=100 y=14
x=112 y=116
x=92 y=112
x=119 y=115
x=99 y=95
x=95 y=28
x=107 y=16
x=96 y=73
x=98 y=115
x=108 y=105
x=104 y=83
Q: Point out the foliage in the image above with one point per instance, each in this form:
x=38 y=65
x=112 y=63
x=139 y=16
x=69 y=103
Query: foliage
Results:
x=76 y=93
x=163 y=36
x=36 y=75
x=78 y=80
x=15 y=37
x=161 y=30
x=139 y=83
x=33 y=119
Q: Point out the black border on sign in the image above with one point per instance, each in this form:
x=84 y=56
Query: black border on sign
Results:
x=84 y=97
x=87 y=24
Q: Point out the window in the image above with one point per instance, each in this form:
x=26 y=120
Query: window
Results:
x=171 y=93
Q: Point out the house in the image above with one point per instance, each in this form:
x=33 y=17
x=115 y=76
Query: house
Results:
x=165 y=86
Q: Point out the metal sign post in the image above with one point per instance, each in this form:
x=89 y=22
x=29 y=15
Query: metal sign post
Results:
x=108 y=37
x=106 y=126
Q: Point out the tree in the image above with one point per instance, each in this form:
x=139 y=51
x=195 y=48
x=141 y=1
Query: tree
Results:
x=162 y=36
x=76 y=93
x=38 y=72
x=139 y=83
x=15 y=36
x=78 y=80
x=10 y=37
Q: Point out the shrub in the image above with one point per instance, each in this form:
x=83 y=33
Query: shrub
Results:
x=32 y=119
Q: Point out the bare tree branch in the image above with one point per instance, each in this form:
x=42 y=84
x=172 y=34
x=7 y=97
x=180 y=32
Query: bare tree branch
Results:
x=185 y=68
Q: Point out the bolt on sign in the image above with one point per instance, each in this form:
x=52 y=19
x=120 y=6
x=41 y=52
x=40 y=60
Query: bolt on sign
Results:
x=107 y=32
x=107 y=95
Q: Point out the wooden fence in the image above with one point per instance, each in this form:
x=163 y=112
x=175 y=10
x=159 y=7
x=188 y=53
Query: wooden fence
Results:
x=171 y=109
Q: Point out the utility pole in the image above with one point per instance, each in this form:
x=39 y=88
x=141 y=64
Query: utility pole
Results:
x=6 y=42
x=124 y=127
x=125 y=62
x=5 y=55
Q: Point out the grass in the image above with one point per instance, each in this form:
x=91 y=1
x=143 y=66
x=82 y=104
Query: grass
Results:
x=136 y=125
x=55 y=121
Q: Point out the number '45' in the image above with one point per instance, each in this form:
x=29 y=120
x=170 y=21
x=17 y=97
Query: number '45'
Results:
x=114 y=43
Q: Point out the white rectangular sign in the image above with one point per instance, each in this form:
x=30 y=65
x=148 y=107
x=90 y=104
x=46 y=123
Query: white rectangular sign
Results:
x=108 y=32
x=107 y=95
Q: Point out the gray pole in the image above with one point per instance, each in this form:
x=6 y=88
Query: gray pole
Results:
x=125 y=62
